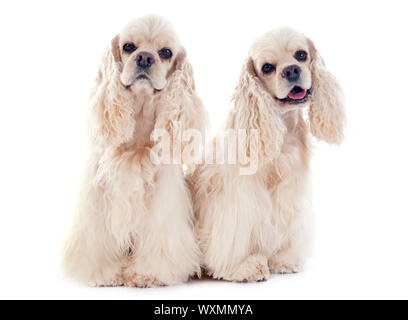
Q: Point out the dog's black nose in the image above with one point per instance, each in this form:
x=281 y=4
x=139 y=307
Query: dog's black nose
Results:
x=291 y=73
x=144 y=60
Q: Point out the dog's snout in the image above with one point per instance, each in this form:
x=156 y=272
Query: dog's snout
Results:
x=291 y=73
x=144 y=60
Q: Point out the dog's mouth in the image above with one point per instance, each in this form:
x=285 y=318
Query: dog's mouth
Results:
x=142 y=76
x=297 y=95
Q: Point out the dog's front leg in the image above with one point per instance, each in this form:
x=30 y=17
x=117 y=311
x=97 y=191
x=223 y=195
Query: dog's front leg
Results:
x=229 y=224
x=166 y=251
x=293 y=220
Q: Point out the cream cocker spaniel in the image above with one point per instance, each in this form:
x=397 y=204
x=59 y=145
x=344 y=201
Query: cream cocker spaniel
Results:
x=134 y=223
x=252 y=225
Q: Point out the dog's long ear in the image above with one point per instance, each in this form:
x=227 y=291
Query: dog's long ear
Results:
x=111 y=115
x=326 y=113
x=255 y=109
x=115 y=50
x=181 y=94
x=183 y=109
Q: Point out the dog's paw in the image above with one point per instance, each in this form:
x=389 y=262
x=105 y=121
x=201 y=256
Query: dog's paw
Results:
x=285 y=268
x=115 y=282
x=254 y=268
x=142 y=281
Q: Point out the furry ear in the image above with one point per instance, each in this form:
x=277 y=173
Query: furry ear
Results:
x=183 y=109
x=115 y=50
x=255 y=109
x=111 y=116
x=326 y=114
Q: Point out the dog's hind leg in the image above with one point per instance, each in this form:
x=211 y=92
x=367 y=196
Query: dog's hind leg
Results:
x=91 y=254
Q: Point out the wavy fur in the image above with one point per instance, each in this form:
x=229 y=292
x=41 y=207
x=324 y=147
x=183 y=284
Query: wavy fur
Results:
x=326 y=113
x=251 y=226
x=133 y=225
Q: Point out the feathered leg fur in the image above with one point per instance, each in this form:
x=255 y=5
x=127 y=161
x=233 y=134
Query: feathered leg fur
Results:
x=159 y=260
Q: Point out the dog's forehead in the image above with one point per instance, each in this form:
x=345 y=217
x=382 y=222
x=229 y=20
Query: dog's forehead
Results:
x=151 y=29
x=278 y=42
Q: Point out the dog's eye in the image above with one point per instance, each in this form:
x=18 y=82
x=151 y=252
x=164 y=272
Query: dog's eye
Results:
x=301 y=55
x=268 y=68
x=129 y=47
x=165 y=53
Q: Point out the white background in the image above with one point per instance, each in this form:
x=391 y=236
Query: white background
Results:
x=50 y=52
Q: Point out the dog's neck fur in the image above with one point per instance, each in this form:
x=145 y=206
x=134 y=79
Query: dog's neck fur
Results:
x=296 y=129
x=294 y=153
x=291 y=119
x=146 y=109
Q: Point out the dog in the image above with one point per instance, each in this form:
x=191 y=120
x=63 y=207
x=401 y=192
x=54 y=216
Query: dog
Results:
x=250 y=226
x=134 y=222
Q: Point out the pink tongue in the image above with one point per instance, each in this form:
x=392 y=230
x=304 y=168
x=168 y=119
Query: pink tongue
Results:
x=298 y=95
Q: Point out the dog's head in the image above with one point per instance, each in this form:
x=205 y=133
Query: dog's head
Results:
x=144 y=72
x=282 y=60
x=146 y=53
x=292 y=72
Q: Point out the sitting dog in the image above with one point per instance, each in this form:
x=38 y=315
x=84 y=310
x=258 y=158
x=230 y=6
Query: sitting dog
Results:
x=252 y=225
x=134 y=223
